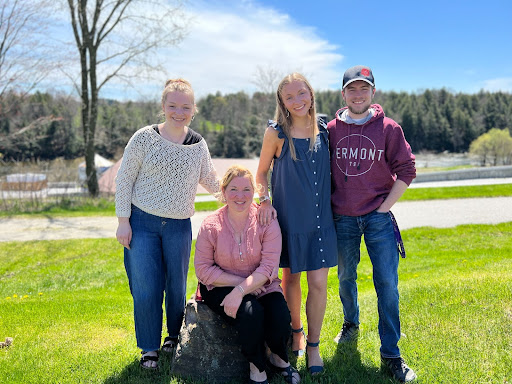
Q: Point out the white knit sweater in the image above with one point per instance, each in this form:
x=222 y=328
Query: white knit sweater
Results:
x=161 y=177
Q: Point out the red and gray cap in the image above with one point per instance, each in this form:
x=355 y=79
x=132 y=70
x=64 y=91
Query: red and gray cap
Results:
x=359 y=72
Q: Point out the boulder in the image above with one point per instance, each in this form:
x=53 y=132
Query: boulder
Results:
x=208 y=348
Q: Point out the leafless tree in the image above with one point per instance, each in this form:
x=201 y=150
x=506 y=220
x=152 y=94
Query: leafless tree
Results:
x=23 y=51
x=129 y=32
x=266 y=79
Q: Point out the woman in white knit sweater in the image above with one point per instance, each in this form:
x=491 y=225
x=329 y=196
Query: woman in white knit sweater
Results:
x=155 y=191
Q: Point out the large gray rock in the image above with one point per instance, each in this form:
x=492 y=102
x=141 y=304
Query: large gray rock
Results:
x=208 y=348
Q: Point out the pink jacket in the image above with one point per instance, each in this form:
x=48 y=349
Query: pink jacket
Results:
x=217 y=251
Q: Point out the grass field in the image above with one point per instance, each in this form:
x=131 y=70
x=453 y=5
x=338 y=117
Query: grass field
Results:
x=68 y=307
x=84 y=206
x=75 y=207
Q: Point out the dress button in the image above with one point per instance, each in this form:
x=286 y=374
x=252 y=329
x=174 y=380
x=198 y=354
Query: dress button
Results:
x=317 y=205
x=319 y=239
x=316 y=183
x=318 y=216
x=323 y=261
x=313 y=161
x=314 y=173
x=317 y=194
x=321 y=250
x=318 y=226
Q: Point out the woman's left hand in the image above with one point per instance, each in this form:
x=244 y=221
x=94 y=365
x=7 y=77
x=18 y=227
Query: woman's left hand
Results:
x=232 y=302
x=266 y=213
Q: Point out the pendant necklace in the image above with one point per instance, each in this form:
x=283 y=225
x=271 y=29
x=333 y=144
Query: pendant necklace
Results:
x=239 y=246
x=237 y=240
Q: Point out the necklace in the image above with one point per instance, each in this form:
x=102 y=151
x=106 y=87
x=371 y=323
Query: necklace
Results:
x=307 y=127
x=302 y=132
x=239 y=247
x=237 y=236
x=173 y=139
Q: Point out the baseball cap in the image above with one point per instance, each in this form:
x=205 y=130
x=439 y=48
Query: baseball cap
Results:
x=359 y=72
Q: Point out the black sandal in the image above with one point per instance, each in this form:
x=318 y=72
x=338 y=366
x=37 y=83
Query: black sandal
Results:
x=145 y=358
x=314 y=369
x=286 y=373
x=169 y=344
x=299 y=352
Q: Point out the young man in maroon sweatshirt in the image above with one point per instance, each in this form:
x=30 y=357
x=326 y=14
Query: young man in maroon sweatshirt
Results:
x=371 y=165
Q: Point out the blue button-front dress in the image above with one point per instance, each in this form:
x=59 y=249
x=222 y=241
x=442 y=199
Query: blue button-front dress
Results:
x=301 y=195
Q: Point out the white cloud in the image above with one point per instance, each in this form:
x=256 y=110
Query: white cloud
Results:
x=503 y=84
x=228 y=40
x=226 y=45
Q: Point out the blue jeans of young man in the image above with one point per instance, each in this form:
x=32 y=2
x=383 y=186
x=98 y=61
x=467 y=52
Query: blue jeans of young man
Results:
x=381 y=244
x=157 y=262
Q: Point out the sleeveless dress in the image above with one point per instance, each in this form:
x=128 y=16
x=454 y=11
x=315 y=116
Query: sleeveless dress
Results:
x=301 y=195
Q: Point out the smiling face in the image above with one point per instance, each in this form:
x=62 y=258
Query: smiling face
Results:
x=239 y=193
x=178 y=108
x=296 y=98
x=358 y=96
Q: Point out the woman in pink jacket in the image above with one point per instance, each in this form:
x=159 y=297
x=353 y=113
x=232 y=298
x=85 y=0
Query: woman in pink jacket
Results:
x=236 y=263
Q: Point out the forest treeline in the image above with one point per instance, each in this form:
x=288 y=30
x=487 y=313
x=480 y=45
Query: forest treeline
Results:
x=45 y=126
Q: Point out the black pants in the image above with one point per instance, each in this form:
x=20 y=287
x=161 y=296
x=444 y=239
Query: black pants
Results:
x=258 y=321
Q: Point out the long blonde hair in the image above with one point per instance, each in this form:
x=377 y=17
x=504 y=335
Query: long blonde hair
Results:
x=283 y=118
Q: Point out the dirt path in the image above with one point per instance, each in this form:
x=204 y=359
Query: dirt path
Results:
x=435 y=213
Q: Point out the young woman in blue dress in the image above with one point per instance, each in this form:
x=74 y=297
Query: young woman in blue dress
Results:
x=297 y=149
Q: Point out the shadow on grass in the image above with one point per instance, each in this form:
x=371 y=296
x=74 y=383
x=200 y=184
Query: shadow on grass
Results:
x=135 y=374
x=346 y=367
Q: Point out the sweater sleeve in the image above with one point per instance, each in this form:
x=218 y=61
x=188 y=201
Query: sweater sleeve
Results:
x=400 y=157
x=270 y=251
x=208 y=177
x=127 y=174
x=207 y=271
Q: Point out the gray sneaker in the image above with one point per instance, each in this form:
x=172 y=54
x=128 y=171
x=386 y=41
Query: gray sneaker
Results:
x=398 y=369
x=348 y=334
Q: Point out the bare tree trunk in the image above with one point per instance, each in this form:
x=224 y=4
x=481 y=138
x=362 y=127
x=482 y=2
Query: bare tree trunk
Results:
x=92 y=27
x=92 y=180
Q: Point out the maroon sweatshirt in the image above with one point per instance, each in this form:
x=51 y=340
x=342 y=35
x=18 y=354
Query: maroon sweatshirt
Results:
x=365 y=162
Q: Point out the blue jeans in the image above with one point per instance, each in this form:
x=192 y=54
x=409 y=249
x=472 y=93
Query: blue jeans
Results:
x=156 y=263
x=381 y=244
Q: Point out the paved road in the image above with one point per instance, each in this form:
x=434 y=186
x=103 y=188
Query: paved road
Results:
x=435 y=213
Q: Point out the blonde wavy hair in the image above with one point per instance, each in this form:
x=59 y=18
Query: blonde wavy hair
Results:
x=282 y=116
x=232 y=172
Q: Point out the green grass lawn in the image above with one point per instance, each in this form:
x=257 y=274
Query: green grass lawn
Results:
x=68 y=307
x=74 y=207
x=461 y=192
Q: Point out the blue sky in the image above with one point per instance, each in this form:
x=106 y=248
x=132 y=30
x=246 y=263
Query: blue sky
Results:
x=463 y=46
